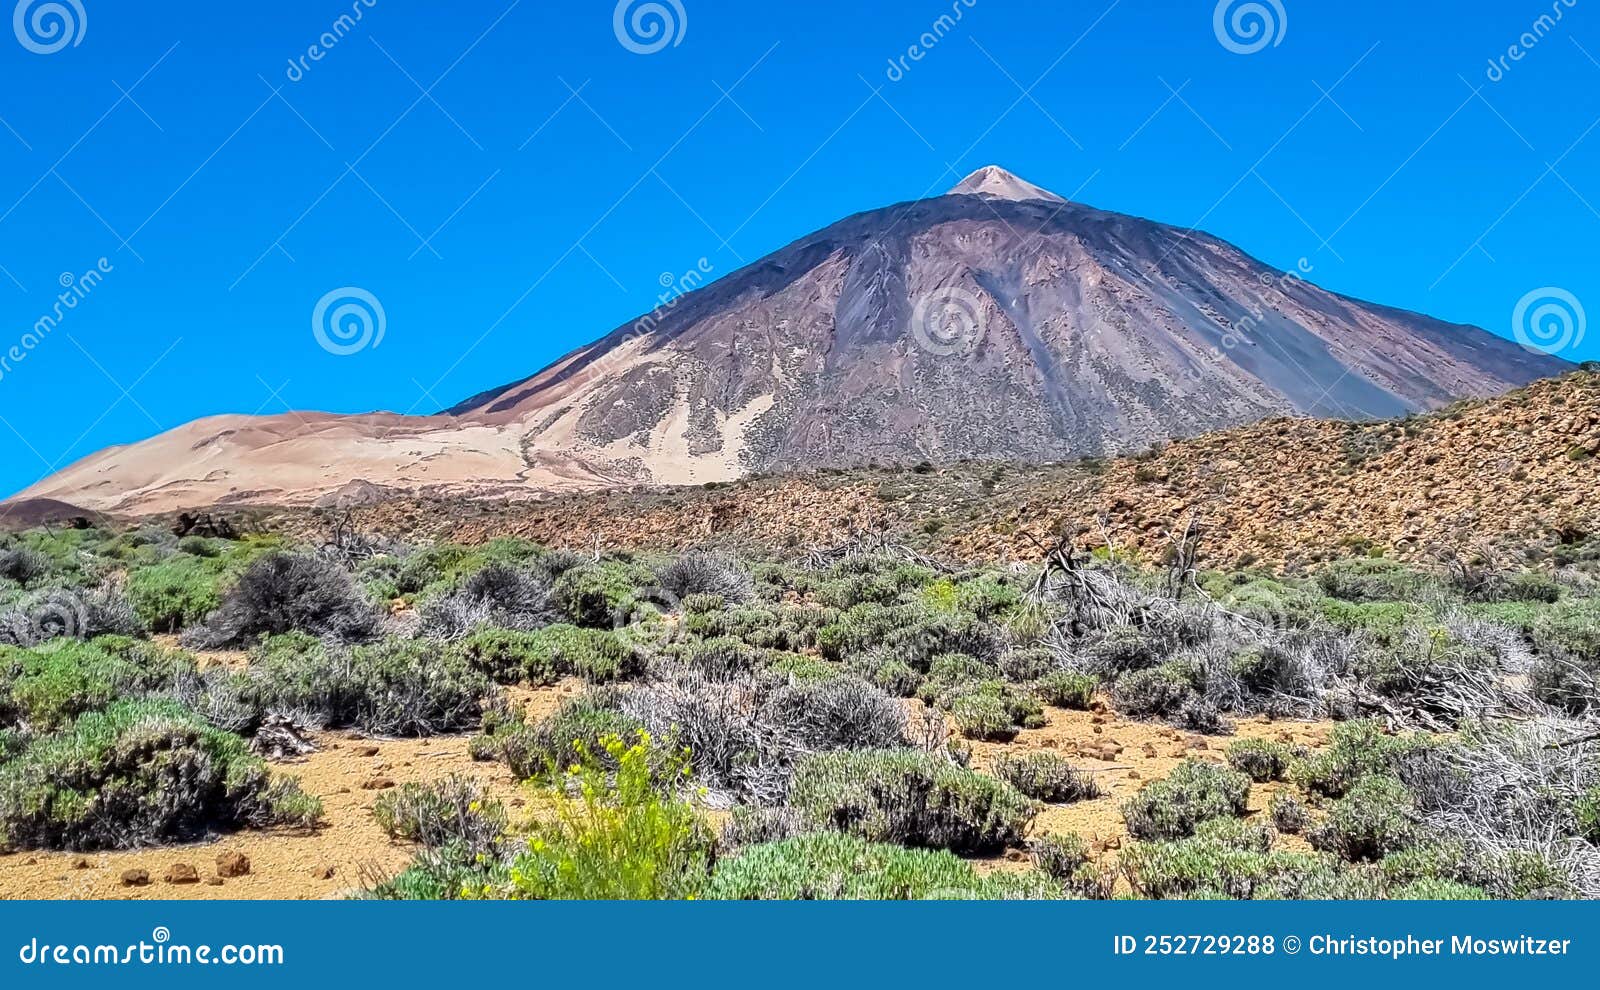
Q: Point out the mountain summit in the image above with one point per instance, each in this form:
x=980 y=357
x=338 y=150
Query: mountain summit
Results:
x=998 y=321
x=992 y=180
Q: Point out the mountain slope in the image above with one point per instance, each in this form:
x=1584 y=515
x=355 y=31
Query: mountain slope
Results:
x=997 y=321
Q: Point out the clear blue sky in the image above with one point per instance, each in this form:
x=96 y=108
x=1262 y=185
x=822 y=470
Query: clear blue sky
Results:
x=225 y=213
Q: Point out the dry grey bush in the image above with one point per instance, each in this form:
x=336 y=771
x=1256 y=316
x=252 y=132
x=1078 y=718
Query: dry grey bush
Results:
x=1508 y=787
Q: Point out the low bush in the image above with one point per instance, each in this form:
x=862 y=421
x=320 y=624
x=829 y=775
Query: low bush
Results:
x=1226 y=859
x=393 y=687
x=993 y=710
x=703 y=573
x=1371 y=580
x=1289 y=815
x=894 y=676
x=1193 y=793
x=1259 y=759
x=1354 y=750
x=1066 y=689
x=1586 y=815
x=177 y=593
x=831 y=866
x=283 y=592
x=1026 y=664
x=139 y=773
x=840 y=713
x=499 y=595
x=1374 y=818
x=544 y=656
x=614 y=835
x=909 y=797
x=561 y=739
x=1154 y=692
x=601 y=595
x=1046 y=777
x=47 y=687
x=456 y=811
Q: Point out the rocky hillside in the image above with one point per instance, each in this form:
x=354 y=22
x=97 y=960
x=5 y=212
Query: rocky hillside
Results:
x=1520 y=471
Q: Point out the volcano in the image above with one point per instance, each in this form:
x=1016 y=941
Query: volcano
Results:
x=998 y=321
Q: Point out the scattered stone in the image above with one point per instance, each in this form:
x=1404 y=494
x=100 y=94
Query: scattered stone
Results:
x=213 y=881
x=1098 y=730
x=1115 y=842
x=135 y=878
x=367 y=751
x=1198 y=743
x=232 y=864
x=78 y=862
x=377 y=784
x=323 y=871
x=1135 y=775
x=1149 y=750
x=1015 y=856
x=182 y=873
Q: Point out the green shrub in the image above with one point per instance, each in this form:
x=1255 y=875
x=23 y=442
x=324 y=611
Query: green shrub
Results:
x=1193 y=793
x=50 y=685
x=1289 y=815
x=993 y=710
x=1154 y=692
x=546 y=655
x=1571 y=630
x=1259 y=759
x=831 y=866
x=1226 y=862
x=1046 y=777
x=1374 y=818
x=1371 y=580
x=1586 y=814
x=1354 y=750
x=614 y=836
x=176 y=593
x=909 y=797
x=1026 y=664
x=888 y=674
x=139 y=773
x=598 y=595
x=561 y=739
x=1065 y=859
x=392 y=687
x=454 y=811
x=1067 y=689
x=1439 y=890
